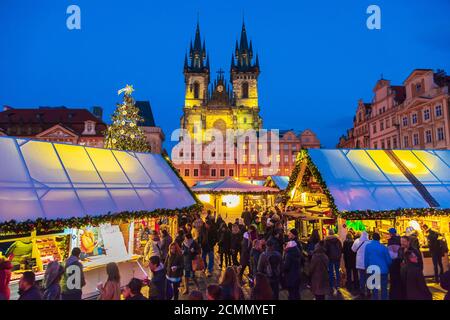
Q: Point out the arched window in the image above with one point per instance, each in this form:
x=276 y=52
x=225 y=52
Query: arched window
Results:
x=196 y=90
x=245 y=90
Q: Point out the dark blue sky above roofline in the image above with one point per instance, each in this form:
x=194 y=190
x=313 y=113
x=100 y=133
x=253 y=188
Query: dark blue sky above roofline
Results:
x=317 y=57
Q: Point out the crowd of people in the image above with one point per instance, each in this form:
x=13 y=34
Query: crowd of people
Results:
x=254 y=250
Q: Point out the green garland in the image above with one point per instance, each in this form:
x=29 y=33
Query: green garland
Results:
x=392 y=214
x=261 y=193
x=303 y=155
x=13 y=226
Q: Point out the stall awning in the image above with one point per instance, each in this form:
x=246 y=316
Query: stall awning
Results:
x=280 y=182
x=385 y=179
x=52 y=180
x=232 y=186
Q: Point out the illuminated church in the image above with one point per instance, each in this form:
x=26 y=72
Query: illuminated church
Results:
x=221 y=105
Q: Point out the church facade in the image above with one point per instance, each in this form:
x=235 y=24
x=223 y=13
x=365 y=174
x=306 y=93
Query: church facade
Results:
x=222 y=105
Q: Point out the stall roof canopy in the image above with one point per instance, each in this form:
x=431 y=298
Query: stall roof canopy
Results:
x=385 y=179
x=281 y=182
x=232 y=186
x=52 y=180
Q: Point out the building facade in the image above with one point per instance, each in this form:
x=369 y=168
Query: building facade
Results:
x=55 y=124
x=414 y=115
x=154 y=134
x=223 y=105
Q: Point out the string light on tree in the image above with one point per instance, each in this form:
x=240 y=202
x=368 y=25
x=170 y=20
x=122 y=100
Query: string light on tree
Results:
x=124 y=132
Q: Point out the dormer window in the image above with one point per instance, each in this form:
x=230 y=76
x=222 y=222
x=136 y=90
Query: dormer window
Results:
x=89 y=127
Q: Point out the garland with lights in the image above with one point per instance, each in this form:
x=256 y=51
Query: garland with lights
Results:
x=39 y=224
x=392 y=214
x=223 y=193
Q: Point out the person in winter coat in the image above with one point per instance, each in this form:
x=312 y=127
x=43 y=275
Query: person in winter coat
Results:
x=27 y=287
x=207 y=241
x=110 y=290
x=229 y=285
x=333 y=249
x=158 y=283
x=190 y=249
x=269 y=263
x=246 y=246
x=313 y=240
x=255 y=253
x=320 y=284
x=359 y=247
x=52 y=277
x=236 y=240
x=378 y=255
x=350 y=263
x=292 y=262
x=436 y=250
x=395 y=281
x=445 y=283
x=225 y=246
x=412 y=276
x=153 y=246
x=166 y=240
x=174 y=268
x=5 y=277
x=72 y=267
x=262 y=289
x=406 y=244
x=247 y=216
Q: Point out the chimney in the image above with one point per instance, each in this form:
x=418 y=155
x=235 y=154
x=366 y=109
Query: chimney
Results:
x=97 y=111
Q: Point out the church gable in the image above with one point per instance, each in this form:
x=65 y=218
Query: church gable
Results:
x=57 y=131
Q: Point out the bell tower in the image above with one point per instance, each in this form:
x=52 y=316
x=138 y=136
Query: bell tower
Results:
x=244 y=73
x=196 y=73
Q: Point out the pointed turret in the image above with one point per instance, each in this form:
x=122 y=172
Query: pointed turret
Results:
x=198 y=54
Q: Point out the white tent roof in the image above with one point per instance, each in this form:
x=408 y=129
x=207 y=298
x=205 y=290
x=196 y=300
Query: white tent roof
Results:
x=53 y=180
x=232 y=186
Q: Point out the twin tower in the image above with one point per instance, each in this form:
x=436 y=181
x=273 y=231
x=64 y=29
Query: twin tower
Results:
x=219 y=105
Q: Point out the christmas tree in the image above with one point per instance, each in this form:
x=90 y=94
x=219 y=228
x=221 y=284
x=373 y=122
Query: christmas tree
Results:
x=124 y=133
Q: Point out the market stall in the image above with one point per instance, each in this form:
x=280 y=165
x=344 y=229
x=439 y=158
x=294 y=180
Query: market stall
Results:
x=229 y=197
x=375 y=190
x=54 y=197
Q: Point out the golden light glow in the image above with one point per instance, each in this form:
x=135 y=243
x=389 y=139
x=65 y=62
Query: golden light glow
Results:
x=204 y=198
x=231 y=200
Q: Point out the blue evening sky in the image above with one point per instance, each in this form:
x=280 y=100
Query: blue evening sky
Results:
x=317 y=57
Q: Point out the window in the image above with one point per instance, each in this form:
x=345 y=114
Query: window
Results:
x=231 y=172
x=196 y=90
x=195 y=172
x=388 y=123
x=260 y=172
x=416 y=139
x=285 y=146
x=418 y=87
x=405 y=121
x=389 y=143
x=381 y=125
x=374 y=128
x=428 y=137
x=186 y=172
x=426 y=114
x=278 y=158
x=213 y=172
x=383 y=146
x=405 y=142
x=414 y=118
x=244 y=171
x=253 y=171
x=245 y=90
x=440 y=134
x=286 y=158
x=375 y=145
x=245 y=120
x=394 y=142
x=222 y=172
x=438 y=110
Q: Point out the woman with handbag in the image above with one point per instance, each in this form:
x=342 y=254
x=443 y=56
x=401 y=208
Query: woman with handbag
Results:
x=174 y=268
x=190 y=250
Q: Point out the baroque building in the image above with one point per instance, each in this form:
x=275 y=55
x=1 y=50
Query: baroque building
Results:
x=234 y=104
x=415 y=115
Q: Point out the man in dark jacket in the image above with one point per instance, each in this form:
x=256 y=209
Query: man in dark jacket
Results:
x=27 y=287
x=247 y=217
x=406 y=245
x=73 y=279
x=133 y=290
x=350 y=263
x=269 y=263
x=207 y=240
x=394 y=244
x=158 y=283
x=246 y=247
x=436 y=250
x=333 y=248
x=292 y=269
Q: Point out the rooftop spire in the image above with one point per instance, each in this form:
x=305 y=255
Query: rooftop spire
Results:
x=197 y=53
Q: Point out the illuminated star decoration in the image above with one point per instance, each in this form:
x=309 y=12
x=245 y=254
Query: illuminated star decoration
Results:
x=128 y=90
